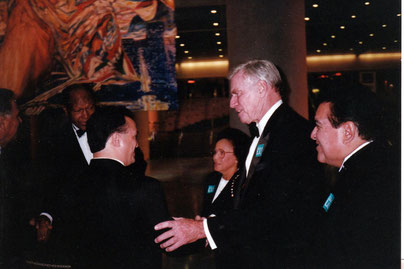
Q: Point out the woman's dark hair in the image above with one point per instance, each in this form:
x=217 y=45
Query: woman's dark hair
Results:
x=240 y=142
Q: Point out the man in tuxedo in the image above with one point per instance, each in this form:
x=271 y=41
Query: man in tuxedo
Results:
x=65 y=150
x=361 y=213
x=10 y=191
x=112 y=212
x=274 y=213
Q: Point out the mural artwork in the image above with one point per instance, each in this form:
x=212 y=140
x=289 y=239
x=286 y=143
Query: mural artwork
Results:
x=125 y=48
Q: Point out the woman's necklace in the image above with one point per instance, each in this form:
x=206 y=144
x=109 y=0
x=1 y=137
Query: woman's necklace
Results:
x=232 y=185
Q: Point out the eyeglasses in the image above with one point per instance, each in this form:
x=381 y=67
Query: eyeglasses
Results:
x=220 y=152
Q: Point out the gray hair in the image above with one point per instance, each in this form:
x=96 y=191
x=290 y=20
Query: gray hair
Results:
x=260 y=70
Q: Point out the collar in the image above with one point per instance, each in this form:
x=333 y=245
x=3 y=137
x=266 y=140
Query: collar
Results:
x=353 y=152
x=263 y=122
x=108 y=158
x=75 y=127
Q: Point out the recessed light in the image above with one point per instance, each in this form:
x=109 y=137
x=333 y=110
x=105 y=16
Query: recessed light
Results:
x=398 y=14
x=306 y=18
x=384 y=48
x=220 y=50
x=324 y=44
x=371 y=34
x=177 y=36
x=218 y=42
x=395 y=41
x=182 y=45
x=221 y=56
x=315 y=90
x=217 y=34
x=353 y=16
x=189 y=57
x=342 y=27
x=351 y=49
x=318 y=51
x=315 y=5
x=384 y=25
x=360 y=42
x=367 y=3
x=333 y=36
x=215 y=24
x=213 y=11
x=186 y=52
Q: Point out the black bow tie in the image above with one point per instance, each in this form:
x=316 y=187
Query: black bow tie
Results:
x=80 y=132
x=253 y=130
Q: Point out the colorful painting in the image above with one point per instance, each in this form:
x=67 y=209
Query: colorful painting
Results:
x=125 y=48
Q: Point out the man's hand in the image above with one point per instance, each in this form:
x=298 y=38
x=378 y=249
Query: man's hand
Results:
x=183 y=231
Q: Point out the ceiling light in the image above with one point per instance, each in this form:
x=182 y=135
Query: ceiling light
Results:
x=342 y=27
x=215 y=24
x=367 y=3
x=315 y=5
x=189 y=57
x=398 y=14
x=213 y=11
x=333 y=36
x=186 y=52
x=384 y=48
x=306 y=18
x=220 y=49
x=315 y=90
x=182 y=45
x=217 y=34
x=395 y=41
x=384 y=25
x=218 y=42
x=177 y=36
x=220 y=56
x=371 y=34
x=324 y=44
x=360 y=42
x=351 y=49
x=318 y=51
x=353 y=16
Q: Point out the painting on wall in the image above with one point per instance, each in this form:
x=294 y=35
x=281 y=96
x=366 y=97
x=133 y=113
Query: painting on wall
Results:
x=126 y=49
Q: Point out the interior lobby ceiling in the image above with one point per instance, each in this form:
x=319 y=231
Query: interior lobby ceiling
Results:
x=332 y=27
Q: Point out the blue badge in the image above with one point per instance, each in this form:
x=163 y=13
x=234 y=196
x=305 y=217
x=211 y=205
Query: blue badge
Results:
x=260 y=149
x=211 y=188
x=328 y=202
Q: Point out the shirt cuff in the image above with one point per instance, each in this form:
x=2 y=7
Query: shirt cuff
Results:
x=47 y=215
x=208 y=236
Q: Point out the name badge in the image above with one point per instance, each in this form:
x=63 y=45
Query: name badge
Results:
x=211 y=188
x=328 y=202
x=260 y=149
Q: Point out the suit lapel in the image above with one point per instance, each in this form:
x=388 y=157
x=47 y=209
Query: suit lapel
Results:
x=262 y=145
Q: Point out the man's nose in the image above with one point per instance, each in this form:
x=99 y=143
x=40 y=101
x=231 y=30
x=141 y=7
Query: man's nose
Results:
x=233 y=102
x=313 y=134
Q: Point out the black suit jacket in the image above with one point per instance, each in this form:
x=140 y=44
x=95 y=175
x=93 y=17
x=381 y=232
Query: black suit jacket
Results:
x=224 y=202
x=114 y=215
x=361 y=228
x=60 y=160
x=275 y=211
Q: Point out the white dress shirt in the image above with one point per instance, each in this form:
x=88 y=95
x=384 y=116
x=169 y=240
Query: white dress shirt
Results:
x=85 y=148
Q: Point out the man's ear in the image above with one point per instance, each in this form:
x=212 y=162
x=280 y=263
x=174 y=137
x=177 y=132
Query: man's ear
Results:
x=262 y=86
x=115 y=139
x=350 y=131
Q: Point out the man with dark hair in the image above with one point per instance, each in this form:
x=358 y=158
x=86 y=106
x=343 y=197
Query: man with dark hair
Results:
x=10 y=193
x=114 y=212
x=274 y=212
x=361 y=213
